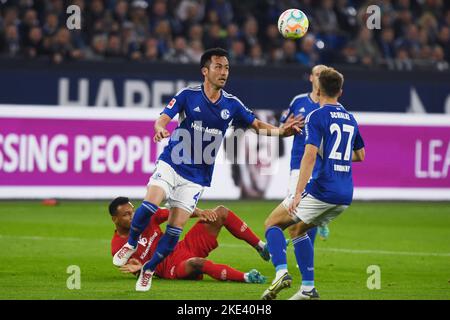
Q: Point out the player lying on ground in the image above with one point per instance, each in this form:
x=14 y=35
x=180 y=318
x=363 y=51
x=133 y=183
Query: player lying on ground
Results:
x=188 y=260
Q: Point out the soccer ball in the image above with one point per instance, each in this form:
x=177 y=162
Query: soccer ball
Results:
x=293 y=24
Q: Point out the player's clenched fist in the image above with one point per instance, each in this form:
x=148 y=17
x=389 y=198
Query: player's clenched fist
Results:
x=160 y=134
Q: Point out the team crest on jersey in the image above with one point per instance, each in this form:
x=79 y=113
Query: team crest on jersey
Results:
x=171 y=103
x=225 y=114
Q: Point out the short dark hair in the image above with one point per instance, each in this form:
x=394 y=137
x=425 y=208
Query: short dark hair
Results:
x=331 y=82
x=205 y=60
x=116 y=203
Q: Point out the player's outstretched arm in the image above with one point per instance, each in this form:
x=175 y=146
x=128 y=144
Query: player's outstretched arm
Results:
x=160 y=128
x=359 y=155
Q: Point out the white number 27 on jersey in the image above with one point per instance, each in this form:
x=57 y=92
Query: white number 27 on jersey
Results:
x=334 y=154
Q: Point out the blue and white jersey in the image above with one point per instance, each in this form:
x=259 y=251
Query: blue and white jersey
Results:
x=300 y=105
x=194 y=145
x=335 y=132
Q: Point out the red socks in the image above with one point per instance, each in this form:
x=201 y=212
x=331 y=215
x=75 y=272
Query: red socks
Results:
x=222 y=272
x=240 y=230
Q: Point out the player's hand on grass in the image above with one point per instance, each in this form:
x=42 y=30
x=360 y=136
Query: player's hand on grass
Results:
x=207 y=215
x=294 y=204
x=132 y=266
x=160 y=134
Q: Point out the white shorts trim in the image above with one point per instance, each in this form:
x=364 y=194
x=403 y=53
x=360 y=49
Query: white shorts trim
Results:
x=314 y=211
x=179 y=192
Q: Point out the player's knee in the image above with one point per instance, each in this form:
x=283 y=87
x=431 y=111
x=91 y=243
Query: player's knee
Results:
x=196 y=264
x=221 y=211
x=269 y=222
x=222 y=214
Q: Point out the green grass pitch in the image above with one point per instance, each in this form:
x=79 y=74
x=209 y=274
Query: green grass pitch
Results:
x=410 y=242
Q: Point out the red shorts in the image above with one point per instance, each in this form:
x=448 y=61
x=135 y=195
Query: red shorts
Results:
x=198 y=242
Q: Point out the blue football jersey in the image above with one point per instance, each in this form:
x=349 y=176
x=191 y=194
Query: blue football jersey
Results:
x=335 y=132
x=300 y=105
x=194 y=144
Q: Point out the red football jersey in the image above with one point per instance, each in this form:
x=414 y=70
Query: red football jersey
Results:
x=148 y=240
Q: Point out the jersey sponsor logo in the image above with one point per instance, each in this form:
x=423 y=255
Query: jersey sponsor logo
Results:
x=225 y=114
x=197 y=126
x=150 y=241
x=197 y=109
x=142 y=241
x=171 y=103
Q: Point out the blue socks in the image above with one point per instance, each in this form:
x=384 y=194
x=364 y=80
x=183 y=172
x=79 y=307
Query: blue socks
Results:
x=312 y=234
x=277 y=247
x=304 y=253
x=140 y=221
x=165 y=246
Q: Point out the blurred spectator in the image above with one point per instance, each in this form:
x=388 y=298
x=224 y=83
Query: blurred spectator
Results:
x=237 y=52
x=438 y=59
x=190 y=12
x=223 y=9
x=121 y=11
x=366 y=48
x=386 y=44
x=256 y=57
x=98 y=48
x=250 y=32
x=195 y=51
x=34 y=46
x=272 y=39
x=443 y=39
x=10 y=45
x=140 y=19
x=346 y=17
x=402 y=60
x=215 y=37
x=308 y=55
x=349 y=55
x=326 y=18
x=62 y=48
x=151 y=52
x=195 y=33
x=410 y=40
x=114 y=46
x=178 y=53
x=289 y=52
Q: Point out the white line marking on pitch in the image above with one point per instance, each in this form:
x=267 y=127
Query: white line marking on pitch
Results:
x=229 y=245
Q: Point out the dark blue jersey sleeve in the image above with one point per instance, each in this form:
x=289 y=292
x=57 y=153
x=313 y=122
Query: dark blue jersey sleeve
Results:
x=176 y=105
x=243 y=117
x=359 y=142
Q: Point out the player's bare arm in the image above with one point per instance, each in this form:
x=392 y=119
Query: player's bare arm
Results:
x=359 y=155
x=291 y=127
x=306 y=169
x=160 y=128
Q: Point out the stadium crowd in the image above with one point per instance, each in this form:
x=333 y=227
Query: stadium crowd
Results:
x=414 y=34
